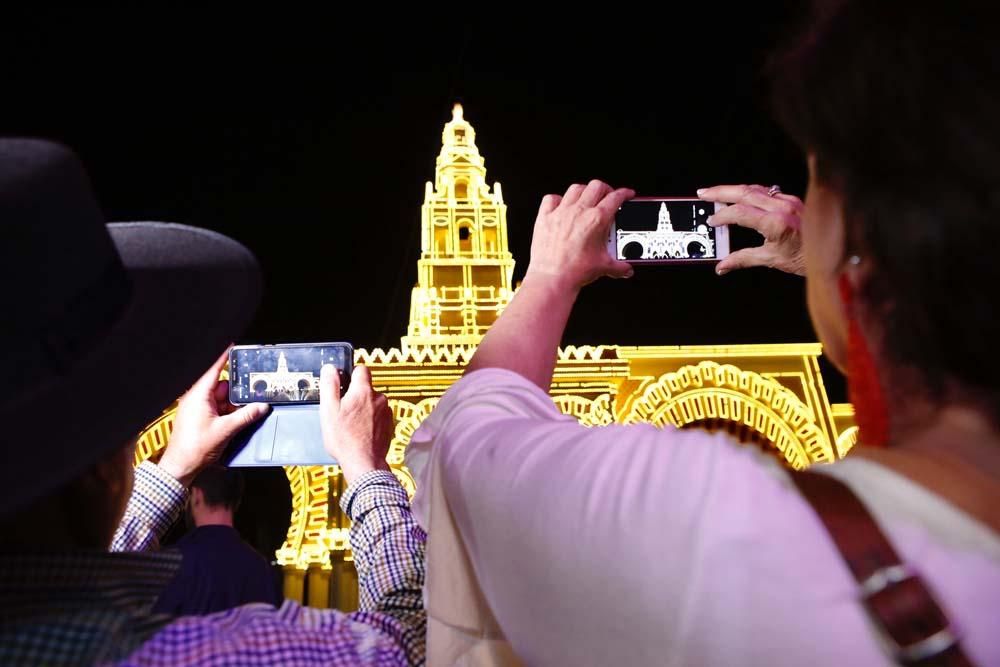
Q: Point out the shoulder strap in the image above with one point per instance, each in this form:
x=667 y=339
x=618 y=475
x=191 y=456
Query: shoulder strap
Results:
x=913 y=627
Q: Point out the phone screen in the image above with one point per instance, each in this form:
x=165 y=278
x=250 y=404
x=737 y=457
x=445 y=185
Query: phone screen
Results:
x=667 y=230
x=283 y=374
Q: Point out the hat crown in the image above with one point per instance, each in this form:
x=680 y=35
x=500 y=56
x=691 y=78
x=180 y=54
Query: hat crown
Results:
x=56 y=243
x=104 y=324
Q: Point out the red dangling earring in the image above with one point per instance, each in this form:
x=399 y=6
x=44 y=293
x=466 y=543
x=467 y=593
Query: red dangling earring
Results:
x=863 y=387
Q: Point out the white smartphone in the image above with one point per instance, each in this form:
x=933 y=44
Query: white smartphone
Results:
x=667 y=230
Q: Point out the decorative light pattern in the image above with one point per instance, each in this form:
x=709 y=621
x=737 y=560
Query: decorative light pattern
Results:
x=712 y=391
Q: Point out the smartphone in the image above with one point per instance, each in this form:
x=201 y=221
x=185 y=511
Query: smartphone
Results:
x=667 y=230
x=285 y=374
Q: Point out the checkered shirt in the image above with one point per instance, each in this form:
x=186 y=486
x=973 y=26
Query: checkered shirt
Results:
x=95 y=608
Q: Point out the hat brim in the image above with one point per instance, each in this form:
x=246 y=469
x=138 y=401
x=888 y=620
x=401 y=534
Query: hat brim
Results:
x=193 y=292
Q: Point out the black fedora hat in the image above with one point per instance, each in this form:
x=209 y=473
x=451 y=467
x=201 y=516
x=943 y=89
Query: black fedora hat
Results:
x=103 y=325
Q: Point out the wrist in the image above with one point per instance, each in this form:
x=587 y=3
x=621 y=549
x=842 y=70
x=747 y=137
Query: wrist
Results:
x=556 y=283
x=179 y=470
x=352 y=469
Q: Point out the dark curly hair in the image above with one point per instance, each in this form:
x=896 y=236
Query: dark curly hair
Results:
x=900 y=105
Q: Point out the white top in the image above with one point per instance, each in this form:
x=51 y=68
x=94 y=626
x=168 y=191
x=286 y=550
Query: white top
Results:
x=632 y=545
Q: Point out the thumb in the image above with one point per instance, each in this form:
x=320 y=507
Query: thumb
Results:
x=329 y=389
x=743 y=259
x=207 y=383
x=329 y=399
x=619 y=269
x=235 y=422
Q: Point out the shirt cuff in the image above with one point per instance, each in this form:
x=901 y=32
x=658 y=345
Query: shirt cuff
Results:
x=374 y=488
x=157 y=498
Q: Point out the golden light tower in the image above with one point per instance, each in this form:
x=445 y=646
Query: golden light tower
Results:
x=768 y=395
x=465 y=271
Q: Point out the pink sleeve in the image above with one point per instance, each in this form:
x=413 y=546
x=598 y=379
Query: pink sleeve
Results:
x=555 y=516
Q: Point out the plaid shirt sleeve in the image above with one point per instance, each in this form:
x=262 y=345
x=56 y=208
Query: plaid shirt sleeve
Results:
x=388 y=548
x=157 y=500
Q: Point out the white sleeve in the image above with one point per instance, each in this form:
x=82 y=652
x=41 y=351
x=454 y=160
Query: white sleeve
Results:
x=478 y=398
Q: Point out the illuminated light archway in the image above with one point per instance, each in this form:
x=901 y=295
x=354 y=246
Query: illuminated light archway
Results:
x=595 y=412
x=311 y=537
x=408 y=417
x=710 y=390
x=313 y=534
x=153 y=439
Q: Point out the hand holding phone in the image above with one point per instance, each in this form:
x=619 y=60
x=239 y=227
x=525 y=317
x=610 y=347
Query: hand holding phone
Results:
x=357 y=428
x=203 y=424
x=567 y=243
x=775 y=215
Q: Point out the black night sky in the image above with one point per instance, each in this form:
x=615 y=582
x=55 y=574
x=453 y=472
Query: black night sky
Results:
x=308 y=135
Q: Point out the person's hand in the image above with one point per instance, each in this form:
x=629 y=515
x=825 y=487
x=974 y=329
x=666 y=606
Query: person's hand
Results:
x=570 y=241
x=777 y=218
x=204 y=423
x=356 y=428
